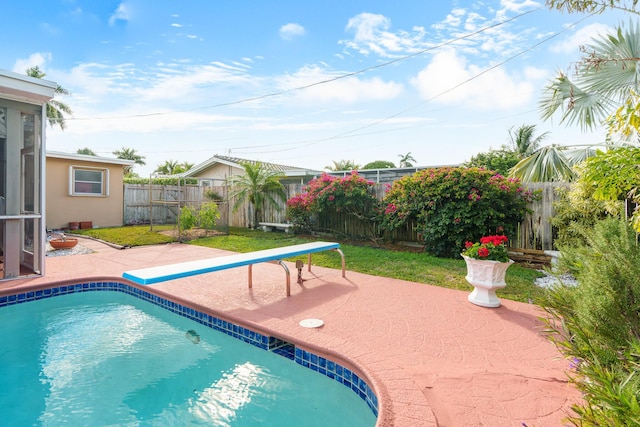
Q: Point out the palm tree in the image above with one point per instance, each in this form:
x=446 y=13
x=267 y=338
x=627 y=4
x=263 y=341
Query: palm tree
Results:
x=257 y=185
x=522 y=141
x=55 y=109
x=186 y=166
x=129 y=154
x=343 y=165
x=169 y=167
x=603 y=92
x=406 y=160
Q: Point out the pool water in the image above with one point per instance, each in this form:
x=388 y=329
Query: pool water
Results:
x=108 y=358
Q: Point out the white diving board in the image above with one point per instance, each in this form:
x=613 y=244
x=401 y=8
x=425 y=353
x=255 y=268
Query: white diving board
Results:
x=163 y=273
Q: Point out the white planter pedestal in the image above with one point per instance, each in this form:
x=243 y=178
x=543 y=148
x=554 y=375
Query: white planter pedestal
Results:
x=485 y=276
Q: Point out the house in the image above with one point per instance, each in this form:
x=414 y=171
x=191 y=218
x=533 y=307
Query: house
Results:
x=216 y=170
x=23 y=103
x=84 y=189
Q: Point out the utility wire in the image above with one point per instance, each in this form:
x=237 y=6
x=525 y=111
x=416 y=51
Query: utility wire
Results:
x=351 y=133
x=321 y=82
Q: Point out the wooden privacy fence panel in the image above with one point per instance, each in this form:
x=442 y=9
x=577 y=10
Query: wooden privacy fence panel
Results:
x=535 y=232
x=160 y=204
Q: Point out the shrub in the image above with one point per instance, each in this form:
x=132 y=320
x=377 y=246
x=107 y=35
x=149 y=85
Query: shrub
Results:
x=328 y=195
x=576 y=210
x=204 y=217
x=300 y=214
x=455 y=205
x=208 y=215
x=160 y=181
x=187 y=218
x=596 y=324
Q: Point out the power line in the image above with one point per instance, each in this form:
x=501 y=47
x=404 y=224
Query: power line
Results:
x=352 y=133
x=321 y=82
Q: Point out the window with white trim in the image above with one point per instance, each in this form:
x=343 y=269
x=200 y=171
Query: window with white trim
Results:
x=87 y=181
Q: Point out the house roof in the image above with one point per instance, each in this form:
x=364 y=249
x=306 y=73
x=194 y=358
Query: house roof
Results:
x=23 y=88
x=87 y=158
x=237 y=162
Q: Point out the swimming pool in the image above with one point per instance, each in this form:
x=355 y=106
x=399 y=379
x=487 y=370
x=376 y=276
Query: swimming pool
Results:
x=124 y=357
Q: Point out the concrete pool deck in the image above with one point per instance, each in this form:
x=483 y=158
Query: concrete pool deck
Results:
x=433 y=358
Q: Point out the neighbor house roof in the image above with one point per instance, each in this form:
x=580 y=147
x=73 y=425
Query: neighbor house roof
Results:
x=88 y=158
x=237 y=162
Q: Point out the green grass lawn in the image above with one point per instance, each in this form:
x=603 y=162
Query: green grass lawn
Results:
x=361 y=257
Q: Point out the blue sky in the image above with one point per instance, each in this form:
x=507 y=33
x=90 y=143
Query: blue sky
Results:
x=298 y=83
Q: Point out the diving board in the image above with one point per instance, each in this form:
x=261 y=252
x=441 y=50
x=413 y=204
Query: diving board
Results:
x=163 y=273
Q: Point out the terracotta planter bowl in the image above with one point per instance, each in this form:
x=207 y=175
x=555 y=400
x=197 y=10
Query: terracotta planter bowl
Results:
x=63 y=244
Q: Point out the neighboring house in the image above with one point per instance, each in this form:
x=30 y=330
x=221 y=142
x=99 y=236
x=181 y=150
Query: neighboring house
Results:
x=23 y=103
x=83 y=188
x=385 y=176
x=215 y=171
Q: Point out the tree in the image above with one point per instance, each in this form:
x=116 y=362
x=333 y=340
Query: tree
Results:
x=173 y=167
x=55 y=109
x=257 y=185
x=343 y=165
x=522 y=141
x=500 y=161
x=603 y=92
x=129 y=154
x=406 y=160
x=591 y=6
x=605 y=79
x=86 y=151
x=379 y=164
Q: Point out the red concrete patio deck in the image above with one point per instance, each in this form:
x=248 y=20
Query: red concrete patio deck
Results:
x=433 y=358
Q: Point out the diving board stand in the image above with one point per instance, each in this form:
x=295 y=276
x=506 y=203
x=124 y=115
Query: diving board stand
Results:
x=163 y=273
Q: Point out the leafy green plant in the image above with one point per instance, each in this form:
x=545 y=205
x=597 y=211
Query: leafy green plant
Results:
x=208 y=215
x=577 y=210
x=455 y=205
x=188 y=218
x=596 y=324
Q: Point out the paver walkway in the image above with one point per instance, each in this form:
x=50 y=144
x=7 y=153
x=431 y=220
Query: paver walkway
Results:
x=434 y=358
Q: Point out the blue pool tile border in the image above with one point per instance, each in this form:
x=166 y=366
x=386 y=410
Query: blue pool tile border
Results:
x=319 y=364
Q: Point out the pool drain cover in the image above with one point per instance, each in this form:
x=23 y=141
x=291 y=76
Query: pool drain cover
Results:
x=311 y=323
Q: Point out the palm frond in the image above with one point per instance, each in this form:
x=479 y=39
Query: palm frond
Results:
x=545 y=165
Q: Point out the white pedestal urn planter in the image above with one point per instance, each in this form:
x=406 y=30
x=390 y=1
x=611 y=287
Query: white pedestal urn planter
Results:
x=485 y=276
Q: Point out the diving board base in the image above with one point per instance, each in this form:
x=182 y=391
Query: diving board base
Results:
x=151 y=275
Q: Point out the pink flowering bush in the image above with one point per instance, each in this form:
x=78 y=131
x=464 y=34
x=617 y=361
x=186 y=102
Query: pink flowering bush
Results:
x=453 y=205
x=327 y=195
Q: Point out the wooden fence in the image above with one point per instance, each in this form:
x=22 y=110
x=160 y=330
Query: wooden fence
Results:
x=161 y=203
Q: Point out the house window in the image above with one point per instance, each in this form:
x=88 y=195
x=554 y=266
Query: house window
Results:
x=87 y=181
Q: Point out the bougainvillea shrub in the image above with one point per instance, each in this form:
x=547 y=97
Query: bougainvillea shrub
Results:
x=453 y=205
x=328 y=195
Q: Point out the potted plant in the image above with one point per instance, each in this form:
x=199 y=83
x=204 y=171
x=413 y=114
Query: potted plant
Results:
x=63 y=242
x=487 y=263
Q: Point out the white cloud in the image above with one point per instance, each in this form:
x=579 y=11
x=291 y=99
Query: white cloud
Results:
x=581 y=37
x=372 y=35
x=494 y=90
x=35 y=59
x=453 y=19
x=176 y=25
x=122 y=13
x=517 y=6
x=347 y=90
x=291 y=30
